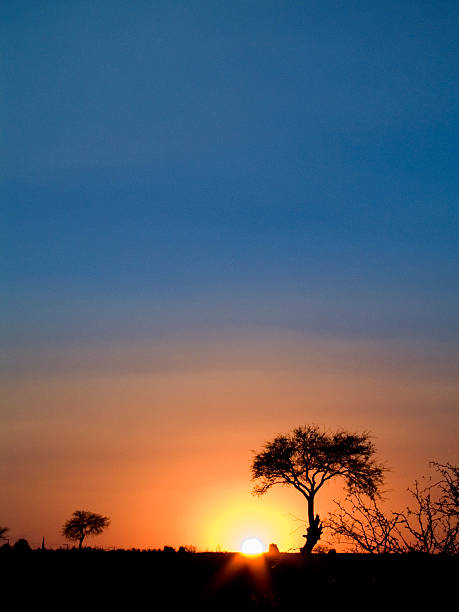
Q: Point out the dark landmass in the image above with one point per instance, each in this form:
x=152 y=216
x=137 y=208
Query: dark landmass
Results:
x=93 y=579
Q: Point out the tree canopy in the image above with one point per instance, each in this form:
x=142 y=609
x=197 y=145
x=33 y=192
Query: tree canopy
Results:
x=308 y=457
x=84 y=523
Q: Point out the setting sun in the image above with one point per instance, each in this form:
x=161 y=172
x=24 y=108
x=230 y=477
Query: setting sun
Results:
x=252 y=546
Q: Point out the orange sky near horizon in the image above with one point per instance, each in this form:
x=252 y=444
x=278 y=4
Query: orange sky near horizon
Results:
x=165 y=452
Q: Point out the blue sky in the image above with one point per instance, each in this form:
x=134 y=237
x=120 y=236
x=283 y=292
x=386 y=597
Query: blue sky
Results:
x=243 y=156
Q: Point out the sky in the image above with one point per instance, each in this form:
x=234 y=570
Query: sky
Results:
x=219 y=221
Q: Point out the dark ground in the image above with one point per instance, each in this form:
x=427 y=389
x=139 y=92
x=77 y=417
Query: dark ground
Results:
x=96 y=579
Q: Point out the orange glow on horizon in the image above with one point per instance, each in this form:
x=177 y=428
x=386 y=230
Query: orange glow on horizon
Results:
x=166 y=453
x=232 y=516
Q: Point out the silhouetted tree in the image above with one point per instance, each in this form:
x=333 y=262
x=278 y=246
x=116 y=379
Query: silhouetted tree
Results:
x=430 y=526
x=169 y=549
x=307 y=458
x=361 y=522
x=21 y=546
x=84 y=523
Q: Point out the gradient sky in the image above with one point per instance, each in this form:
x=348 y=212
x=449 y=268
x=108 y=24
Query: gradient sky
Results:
x=220 y=220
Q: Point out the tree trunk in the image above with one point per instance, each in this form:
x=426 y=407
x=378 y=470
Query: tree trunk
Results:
x=314 y=531
x=81 y=542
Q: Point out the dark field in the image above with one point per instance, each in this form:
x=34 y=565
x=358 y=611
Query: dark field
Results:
x=92 y=579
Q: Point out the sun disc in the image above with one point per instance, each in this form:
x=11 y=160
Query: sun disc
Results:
x=252 y=546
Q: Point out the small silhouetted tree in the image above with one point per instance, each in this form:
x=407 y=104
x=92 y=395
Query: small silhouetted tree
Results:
x=169 y=549
x=82 y=524
x=21 y=546
x=188 y=549
x=307 y=458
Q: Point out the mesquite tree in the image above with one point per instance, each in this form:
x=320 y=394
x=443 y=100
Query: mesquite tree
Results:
x=307 y=458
